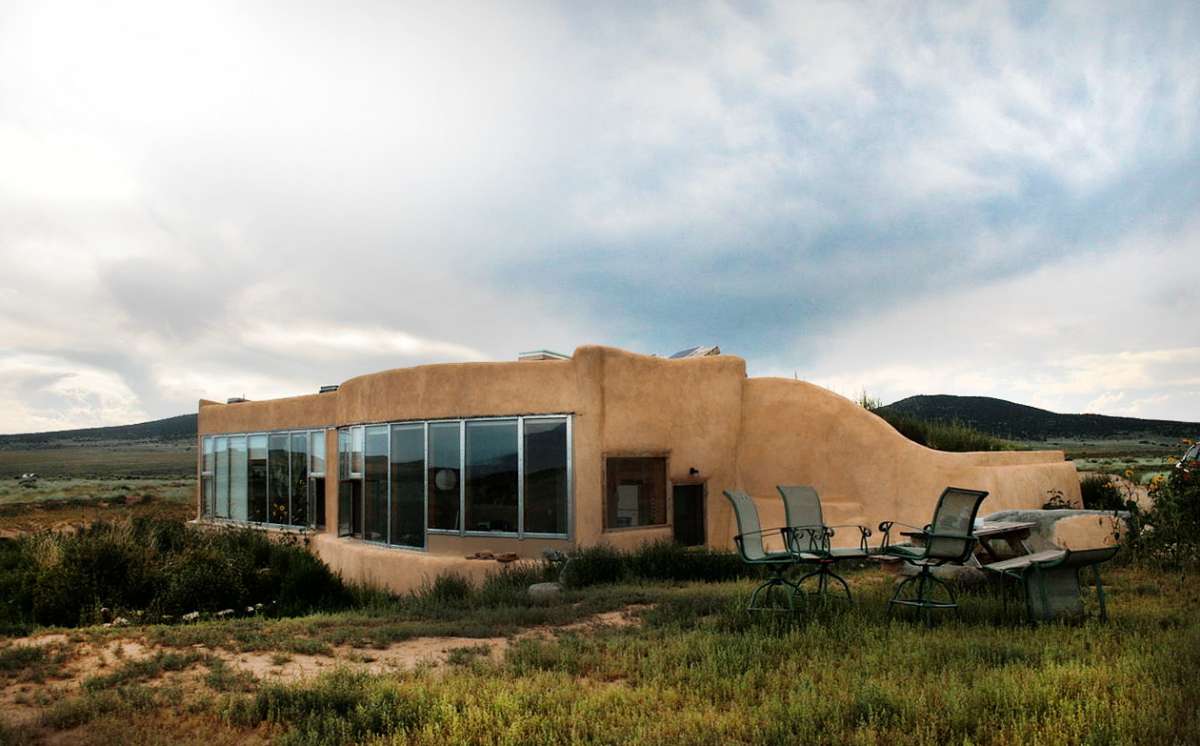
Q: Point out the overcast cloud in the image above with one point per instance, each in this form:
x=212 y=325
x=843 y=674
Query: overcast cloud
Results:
x=254 y=199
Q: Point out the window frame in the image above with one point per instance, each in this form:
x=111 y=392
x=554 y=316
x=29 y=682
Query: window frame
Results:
x=520 y=533
x=668 y=509
x=247 y=435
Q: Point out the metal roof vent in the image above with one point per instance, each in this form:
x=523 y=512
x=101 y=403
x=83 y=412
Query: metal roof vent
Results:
x=328 y=389
x=236 y=400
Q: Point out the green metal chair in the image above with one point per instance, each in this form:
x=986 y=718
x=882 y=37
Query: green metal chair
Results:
x=749 y=541
x=948 y=540
x=1050 y=581
x=811 y=537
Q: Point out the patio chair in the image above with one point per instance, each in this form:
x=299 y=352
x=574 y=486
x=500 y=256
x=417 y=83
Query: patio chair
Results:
x=749 y=541
x=948 y=540
x=1050 y=581
x=811 y=537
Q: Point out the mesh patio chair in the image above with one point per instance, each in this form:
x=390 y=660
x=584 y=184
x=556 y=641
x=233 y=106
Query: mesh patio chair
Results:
x=948 y=540
x=812 y=539
x=749 y=541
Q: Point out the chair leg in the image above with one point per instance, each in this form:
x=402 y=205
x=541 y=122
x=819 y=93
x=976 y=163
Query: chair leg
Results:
x=1100 y=593
x=896 y=594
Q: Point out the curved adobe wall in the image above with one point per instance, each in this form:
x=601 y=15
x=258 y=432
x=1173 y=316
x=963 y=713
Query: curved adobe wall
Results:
x=866 y=472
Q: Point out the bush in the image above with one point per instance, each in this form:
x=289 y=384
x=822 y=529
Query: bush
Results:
x=1171 y=527
x=657 y=560
x=943 y=436
x=1100 y=492
x=161 y=568
x=593 y=565
x=666 y=560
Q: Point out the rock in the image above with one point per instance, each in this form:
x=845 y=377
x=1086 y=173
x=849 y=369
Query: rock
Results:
x=544 y=591
x=508 y=557
x=191 y=616
x=224 y=613
x=120 y=622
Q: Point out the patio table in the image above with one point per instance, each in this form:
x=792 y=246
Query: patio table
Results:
x=1013 y=533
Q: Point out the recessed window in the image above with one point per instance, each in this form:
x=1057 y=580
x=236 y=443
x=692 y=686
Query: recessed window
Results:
x=546 y=480
x=257 y=477
x=635 y=492
x=491 y=465
x=445 y=475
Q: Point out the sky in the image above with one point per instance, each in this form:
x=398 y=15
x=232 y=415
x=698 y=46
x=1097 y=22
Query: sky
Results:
x=205 y=200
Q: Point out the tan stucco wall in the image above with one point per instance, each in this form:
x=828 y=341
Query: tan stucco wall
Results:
x=702 y=414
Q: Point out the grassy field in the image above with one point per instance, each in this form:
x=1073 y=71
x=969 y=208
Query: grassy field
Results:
x=176 y=459
x=652 y=663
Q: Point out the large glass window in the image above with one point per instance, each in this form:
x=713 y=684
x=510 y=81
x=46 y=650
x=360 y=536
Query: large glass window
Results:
x=491 y=465
x=546 y=487
x=237 y=478
x=408 y=485
x=257 y=478
x=375 y=485
x=299 y=479
x=316 y=479
x=445 y=476
x=207 y=468
x=222 y=476
x=279 y=479
x=636 y=492
x=346 y=502
x=503 y=476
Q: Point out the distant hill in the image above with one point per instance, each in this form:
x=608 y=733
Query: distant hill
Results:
x=179 y=428
x=1007 y=419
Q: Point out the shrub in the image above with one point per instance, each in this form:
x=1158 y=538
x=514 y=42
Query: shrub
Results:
x=953 y=435
x=666 y=560
x=160 y=567
x=1171 y=535
x=1100 y=492
x=657 y=560
x=447 y=589
x=597 y=564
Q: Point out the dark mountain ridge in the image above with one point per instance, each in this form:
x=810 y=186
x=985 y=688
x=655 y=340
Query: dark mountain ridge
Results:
x=1014 y=421
x=180 y=427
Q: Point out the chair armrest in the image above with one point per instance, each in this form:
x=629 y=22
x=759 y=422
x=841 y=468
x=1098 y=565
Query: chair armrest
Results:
x=785 y=532
x=818 y=538
x=863 y=531
x=886 y=529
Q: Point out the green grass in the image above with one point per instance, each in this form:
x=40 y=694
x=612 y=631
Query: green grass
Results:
x=161 y=460
x=16 y=497
x=699 y=669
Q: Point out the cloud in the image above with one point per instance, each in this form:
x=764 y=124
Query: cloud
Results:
x=232 y=198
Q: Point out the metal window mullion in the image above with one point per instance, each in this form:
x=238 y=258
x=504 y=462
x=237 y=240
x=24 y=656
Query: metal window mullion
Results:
x=388 y=533
x=425 y=489
x=520 y=477
x=290 y=481
x=462 y=477
x=570 y=479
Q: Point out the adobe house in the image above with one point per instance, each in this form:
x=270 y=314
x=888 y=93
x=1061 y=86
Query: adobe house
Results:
x=400 y=474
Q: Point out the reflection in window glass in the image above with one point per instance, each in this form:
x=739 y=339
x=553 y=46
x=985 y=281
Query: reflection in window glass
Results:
x=343 y=454
x=299 y=479
x=356 y=451
x=257 y=477
x=408 y=485
x=206 y=478
x=545 y=453
x=444 y=475
x=491 y=463
x=222 y=476
x=375 y=485
x=317 y=451
x=279 y=481
x=237 y=478
x=636 y=492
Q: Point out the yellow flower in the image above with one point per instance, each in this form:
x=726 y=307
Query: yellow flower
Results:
x=1129 y=473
